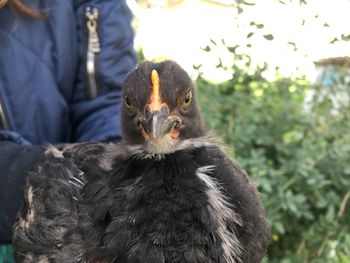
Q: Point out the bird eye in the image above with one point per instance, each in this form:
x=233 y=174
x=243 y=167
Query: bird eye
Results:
x=187 y=100
x=127 y=102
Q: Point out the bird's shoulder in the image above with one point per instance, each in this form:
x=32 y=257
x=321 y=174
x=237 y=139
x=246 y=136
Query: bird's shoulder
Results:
x=241 y=191
x=213 y=154
x=101 y=154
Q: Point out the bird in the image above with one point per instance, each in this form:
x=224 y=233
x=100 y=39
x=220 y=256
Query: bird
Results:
x=166 y=193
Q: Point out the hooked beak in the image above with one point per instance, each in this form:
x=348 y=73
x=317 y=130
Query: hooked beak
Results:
x=159 y=124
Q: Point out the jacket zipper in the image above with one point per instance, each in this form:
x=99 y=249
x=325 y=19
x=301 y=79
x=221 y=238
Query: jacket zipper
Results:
x=3 y=117
x=93 y=48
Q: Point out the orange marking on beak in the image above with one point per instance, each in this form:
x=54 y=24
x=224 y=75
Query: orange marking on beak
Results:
x=155 y=98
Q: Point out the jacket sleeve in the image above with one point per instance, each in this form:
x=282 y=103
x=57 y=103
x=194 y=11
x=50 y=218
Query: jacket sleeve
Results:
x=15 y=160
x=97 y=117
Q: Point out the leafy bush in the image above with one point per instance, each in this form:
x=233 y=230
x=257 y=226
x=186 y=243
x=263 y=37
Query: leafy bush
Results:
x=297 y=152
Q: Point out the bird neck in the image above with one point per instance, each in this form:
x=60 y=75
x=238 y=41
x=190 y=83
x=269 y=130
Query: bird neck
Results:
x=148 y=151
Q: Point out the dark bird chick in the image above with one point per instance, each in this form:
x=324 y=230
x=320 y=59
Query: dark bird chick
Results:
x=168 y=193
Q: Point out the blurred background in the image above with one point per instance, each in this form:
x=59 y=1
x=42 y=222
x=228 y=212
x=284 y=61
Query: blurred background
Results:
x=273 y=80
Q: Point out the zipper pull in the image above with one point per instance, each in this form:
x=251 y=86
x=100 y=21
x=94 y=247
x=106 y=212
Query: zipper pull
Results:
x=91 y=14
x=93 y=48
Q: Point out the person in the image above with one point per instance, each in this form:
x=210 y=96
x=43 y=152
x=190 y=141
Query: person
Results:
x=62 y=63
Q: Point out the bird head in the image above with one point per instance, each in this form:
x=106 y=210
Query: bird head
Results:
x=159 y=107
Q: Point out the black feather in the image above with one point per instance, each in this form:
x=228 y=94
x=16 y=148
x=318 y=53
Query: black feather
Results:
x=186 y=202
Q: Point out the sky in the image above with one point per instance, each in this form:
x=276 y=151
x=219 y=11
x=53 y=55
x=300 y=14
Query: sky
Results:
x=180 y=33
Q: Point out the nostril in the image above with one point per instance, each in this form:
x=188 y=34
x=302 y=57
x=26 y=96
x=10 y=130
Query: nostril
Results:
x=147 y=112
x=180 y=126
x=164 y=110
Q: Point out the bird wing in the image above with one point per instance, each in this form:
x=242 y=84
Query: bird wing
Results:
x=63 y=214
x=103 y=165
x=253 y=231
x=52 y=192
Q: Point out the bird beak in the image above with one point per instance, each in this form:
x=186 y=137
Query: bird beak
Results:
x=160 y=124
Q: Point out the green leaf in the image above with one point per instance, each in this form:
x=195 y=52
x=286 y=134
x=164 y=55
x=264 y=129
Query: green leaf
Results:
x=259 y=26
x=330 y=214
x=206 y=48
x=334 y=40
x=250 y=34
x=279 y=227
x=248 y=3
x=293 y=45
x=213 y=42
x=345 y=37
x=292 y=136
x=269 y=37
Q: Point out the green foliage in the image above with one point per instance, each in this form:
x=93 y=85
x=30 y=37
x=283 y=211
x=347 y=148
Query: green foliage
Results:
x=297 y=152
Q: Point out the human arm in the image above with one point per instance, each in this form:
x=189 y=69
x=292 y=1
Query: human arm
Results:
x=96 y=116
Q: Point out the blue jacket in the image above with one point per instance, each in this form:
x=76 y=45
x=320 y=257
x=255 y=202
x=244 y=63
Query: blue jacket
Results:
x=60 y=81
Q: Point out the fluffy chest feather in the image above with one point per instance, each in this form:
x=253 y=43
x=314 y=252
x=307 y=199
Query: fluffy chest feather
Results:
x=174 y=208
